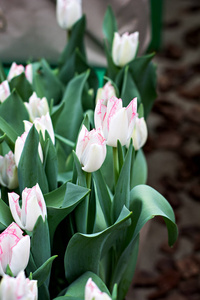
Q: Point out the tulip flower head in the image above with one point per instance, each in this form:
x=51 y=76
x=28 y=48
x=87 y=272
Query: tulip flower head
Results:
x=139 y=135
x=29 y=73
x=18 y=288
x=124 y=48
x=92 y=292
x=4 y=90
x=36 y=107
x=41 y=124
x=8 y=171
x=14 y=249
x=19 y=146
x=68 y=12
x=33 y=206
x=15 y=70
x=91 y=149
x=115 y=121
x=106 y=92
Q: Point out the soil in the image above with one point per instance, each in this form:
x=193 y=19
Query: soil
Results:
x=173 y=156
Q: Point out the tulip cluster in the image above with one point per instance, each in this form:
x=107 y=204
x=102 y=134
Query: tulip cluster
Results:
x=16 y=70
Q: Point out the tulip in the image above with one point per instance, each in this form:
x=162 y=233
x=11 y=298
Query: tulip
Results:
x=29 y=73
x=36 y=107
x=14 y=249
x=68 y=12
x=124 y=48
x=15 y=70
x=139 y=135
x=8 y=171
x=33 y=206
x=42 y=124
x=92 y=292
x=115 y=121
x=4 y=90
x=91 y=149
x=106 y=92
x=18 y=288
x=19 y=146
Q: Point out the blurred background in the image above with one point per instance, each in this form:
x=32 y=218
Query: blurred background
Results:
x=173 y=156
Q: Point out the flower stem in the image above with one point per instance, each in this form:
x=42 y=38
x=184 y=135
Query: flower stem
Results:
x=88 y=180
x=115 y=165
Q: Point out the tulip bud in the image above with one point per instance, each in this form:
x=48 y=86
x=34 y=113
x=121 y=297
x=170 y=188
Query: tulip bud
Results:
x=29 y=73
x=124 y=48
x=15 y=70
x=68 y=12
x=36 y=107
x=115 y=121
x=18 y=288
x=33 y=206
x=42 y=124
x=92 y=292
x=19 y=146
x=14 y=249
x=8 y=171
x=139 y=134
x=91 y=149
x=4 y=90
x=106 y=92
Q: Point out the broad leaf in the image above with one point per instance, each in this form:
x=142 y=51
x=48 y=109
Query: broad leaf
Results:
x=109 y=26
x=5 y=215
x=31 y=171
x=22 y=86
x=14 y=117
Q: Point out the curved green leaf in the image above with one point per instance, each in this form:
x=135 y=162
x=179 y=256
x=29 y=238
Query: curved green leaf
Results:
x=5 y=215
x=84 y=251
x=43 y=271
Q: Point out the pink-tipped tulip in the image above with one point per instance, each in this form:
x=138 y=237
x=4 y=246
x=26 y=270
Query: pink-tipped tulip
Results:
x=68 y=12
x=115 y=121
x=15 y=70
x=41 y=124
x=19 y=146
x=139 y=135
x=124 y=48
x=92 y=292
x=33 y=206
x=4 y=90
x=91 y=149
x=8 y=171
x=18 y=288
x=14 y=249
x=36 y=107
x=106 y=92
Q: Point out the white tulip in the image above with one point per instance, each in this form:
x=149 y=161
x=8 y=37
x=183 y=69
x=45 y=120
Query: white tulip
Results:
x=8 y=171
x=68 y=12
x=124 y=48
x=36 y=107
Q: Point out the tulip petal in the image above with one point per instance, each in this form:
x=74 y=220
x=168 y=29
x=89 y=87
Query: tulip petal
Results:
x=16 y=211
x=20 y=255
x=93 y=159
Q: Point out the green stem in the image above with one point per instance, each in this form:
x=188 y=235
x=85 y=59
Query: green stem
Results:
x=88 y=180
x=115 y=165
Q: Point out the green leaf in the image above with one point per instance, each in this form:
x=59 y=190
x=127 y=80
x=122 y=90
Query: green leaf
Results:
x=147 y=203
x=5 y=215
x=72 y=115
x=125 y=268
x=51 y=165
x=65 y=141
x=11 y=134
x=139 y=169
x=109 y=26
x=75 y=41
x=77 y=288
x=40 y=242
x=143 y=72
x=112 y=69
x=107 y=168
x=129 y=88
x=122 y=190
x=56 y=197
x=22 y=86
x=14 y=117
x=46 y=83
x=43 y=271
x=78 y=261
x=31 y=171
x=103 y=195
x=73 y=196
x=56 y=111
x=8 y=271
